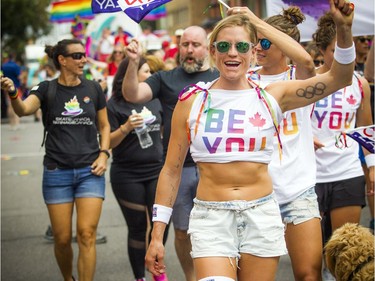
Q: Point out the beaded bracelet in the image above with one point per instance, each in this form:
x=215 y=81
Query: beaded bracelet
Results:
x=13 y=95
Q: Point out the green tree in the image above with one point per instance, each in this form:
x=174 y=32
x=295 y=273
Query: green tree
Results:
x=21 y=21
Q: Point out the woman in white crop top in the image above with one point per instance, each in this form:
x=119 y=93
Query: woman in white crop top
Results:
x=340 y=180
x=293 y=184
x=235 y=226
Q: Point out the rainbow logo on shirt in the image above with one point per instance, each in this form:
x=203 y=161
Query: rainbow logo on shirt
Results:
x=72 y=108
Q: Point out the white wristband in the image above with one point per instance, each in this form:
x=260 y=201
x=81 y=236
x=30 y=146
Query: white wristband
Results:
x=344 y=56
x=370 y=160
x=161 y=213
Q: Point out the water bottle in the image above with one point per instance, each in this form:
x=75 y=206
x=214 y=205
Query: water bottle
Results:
x=144 y=137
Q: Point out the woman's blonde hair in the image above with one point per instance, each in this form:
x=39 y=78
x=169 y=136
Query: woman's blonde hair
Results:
x=155 y=63
x=232 y=21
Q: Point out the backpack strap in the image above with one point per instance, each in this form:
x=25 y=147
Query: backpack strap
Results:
x=49 y=101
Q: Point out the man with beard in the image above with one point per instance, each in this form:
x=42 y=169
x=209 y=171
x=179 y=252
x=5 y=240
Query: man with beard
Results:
x=166 y=85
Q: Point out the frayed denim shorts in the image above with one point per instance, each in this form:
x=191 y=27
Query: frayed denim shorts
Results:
x=305 y=207
x=64 y=185
x=229 y=228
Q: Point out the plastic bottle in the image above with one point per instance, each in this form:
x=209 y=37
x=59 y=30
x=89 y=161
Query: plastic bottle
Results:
x=144 y=137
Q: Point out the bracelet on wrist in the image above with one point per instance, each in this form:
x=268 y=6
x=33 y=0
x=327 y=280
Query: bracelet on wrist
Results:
x=370 y=160
x=106 y=152
x=161 y=213
x=13 y=94
x=123 y=131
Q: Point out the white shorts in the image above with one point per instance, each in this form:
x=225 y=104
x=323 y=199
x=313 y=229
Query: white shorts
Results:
x=229 y=228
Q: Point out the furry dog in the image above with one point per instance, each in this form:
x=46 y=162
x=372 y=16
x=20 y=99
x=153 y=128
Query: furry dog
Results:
x=349 y=253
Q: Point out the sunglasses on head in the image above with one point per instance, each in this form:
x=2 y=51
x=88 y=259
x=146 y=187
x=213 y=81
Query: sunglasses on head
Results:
x=76 y=56
x=265 y=43
x=364 y=39
x=241 y=47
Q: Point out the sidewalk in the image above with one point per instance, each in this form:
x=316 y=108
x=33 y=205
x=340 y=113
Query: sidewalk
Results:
x=25 y=255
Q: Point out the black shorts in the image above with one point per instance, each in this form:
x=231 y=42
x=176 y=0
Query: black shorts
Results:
x=349 y=192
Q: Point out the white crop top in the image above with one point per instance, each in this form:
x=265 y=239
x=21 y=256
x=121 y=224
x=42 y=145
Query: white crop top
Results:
x=232 y=125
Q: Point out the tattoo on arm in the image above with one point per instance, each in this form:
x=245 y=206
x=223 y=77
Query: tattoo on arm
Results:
x=312 y=91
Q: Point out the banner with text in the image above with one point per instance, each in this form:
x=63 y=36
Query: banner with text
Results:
x=363 y=18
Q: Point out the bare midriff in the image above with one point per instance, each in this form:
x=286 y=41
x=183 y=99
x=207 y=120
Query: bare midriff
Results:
x=233 y=181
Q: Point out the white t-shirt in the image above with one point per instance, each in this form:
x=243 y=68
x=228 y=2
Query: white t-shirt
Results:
x=295 y=172
x=333 y=115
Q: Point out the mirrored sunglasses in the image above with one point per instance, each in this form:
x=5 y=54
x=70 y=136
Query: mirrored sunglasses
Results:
x=265 y=43
x=241 y=47
x=76 y=56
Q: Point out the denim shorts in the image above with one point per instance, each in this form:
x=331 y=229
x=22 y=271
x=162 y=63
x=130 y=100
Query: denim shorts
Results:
x=229 y=228
x=303 y=208
x=184 y=201
x=64 y=185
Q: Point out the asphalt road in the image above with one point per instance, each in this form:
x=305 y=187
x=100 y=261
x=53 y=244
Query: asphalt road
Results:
x=26 y=255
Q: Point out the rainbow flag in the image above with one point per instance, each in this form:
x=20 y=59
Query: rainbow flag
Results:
x=157 y=13
x=68 y=10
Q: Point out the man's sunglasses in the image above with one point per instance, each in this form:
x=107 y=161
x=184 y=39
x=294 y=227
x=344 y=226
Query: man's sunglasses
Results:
x=265 y=43
x=241 y=47
x=76 y=56
x=364 y=39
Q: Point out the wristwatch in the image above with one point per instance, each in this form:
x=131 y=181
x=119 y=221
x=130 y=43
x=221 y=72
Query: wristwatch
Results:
x=106 y=152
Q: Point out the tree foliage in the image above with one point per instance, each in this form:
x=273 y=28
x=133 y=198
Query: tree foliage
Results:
x=21 y=21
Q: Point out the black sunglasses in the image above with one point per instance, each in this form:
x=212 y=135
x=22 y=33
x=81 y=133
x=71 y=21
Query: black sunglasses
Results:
x=364 y=39
x=76 y=56
x=241 y=47
x=118 y=52
x=265 y=43
x=318 y=62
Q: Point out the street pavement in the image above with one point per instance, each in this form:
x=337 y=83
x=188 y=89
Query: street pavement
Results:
x=26 y=255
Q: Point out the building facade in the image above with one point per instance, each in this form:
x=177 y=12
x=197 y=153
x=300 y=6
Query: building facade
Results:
x=183 y=13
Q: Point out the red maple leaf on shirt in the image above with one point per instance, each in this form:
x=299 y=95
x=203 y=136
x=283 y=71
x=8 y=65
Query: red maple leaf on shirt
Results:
x=351 y=100
x=257 y=120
